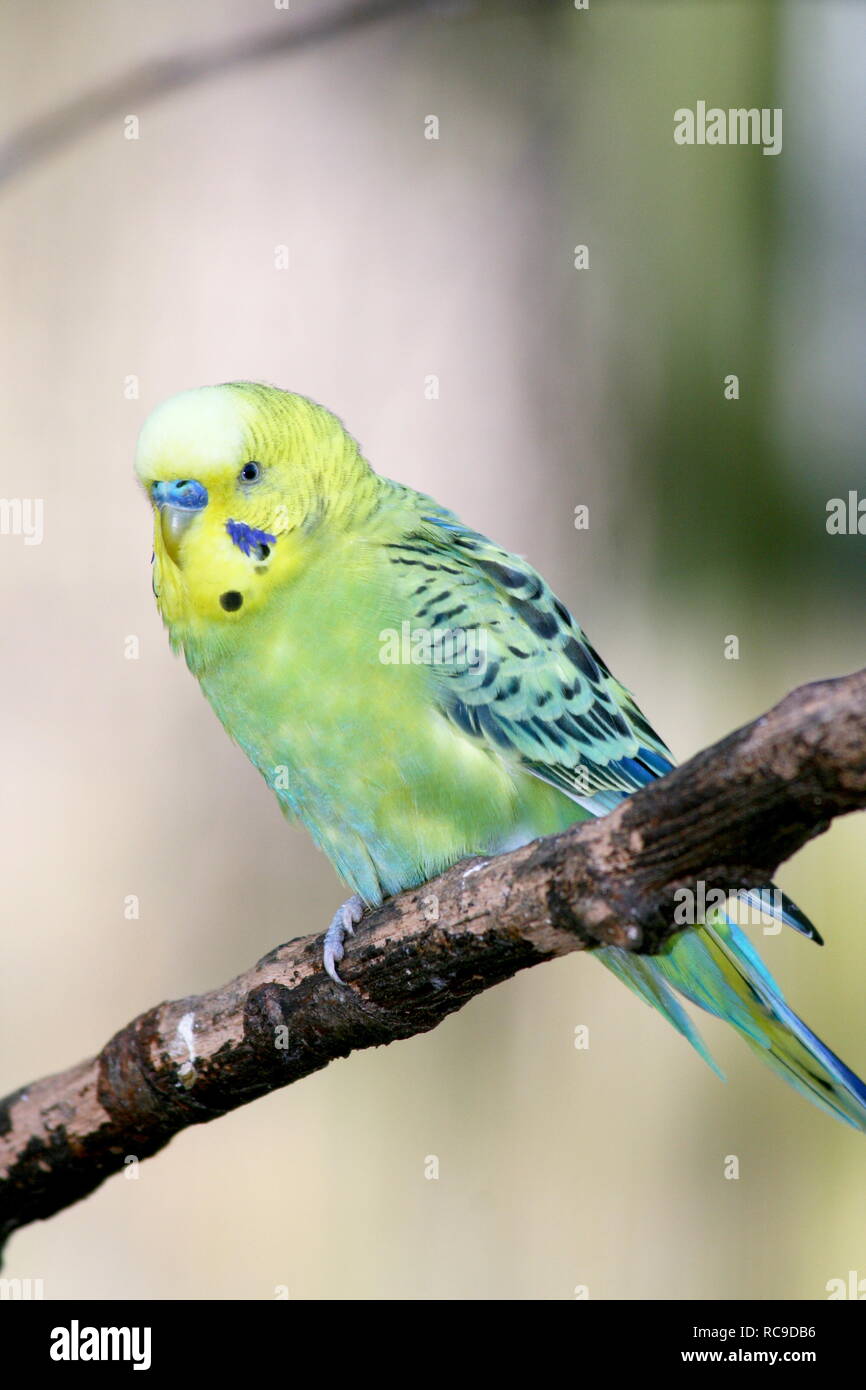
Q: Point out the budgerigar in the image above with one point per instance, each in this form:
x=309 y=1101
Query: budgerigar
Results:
x=284 y=567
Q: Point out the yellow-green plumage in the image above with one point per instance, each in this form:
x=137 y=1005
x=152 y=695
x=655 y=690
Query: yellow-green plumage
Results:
x=358 y=749
x=290 y=574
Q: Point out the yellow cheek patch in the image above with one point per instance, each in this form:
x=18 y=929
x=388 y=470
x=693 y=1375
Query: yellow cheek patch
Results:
x=214 y=581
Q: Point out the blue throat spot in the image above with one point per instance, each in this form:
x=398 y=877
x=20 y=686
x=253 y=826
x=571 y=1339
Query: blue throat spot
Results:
x=248 y=539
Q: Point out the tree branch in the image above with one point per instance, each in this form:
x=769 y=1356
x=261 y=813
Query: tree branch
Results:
x=726 y=818
x=161 y=77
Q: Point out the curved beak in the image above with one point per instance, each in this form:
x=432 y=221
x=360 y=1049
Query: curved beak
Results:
x=178 y=503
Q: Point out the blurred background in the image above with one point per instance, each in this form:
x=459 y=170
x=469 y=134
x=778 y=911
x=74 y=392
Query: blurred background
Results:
x=135 y=267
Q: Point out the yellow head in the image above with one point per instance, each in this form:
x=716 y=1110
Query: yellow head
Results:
x=243 y=479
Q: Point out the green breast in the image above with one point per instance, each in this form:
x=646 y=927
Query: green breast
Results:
x=355 y=745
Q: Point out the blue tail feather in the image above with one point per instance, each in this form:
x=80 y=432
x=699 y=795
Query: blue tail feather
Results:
x=716 y=967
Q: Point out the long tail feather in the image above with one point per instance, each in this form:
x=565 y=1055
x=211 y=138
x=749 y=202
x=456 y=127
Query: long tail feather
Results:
x=716 y=967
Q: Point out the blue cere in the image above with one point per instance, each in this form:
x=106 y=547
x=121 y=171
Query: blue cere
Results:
x=184 y=493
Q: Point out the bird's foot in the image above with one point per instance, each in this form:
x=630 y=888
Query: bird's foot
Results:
x=343 y=924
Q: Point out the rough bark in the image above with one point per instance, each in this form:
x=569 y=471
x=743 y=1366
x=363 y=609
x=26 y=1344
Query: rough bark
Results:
x=726 y=818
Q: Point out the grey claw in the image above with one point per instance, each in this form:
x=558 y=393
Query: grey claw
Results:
x=342 y=925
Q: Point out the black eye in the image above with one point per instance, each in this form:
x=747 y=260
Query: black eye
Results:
x=251 y=472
